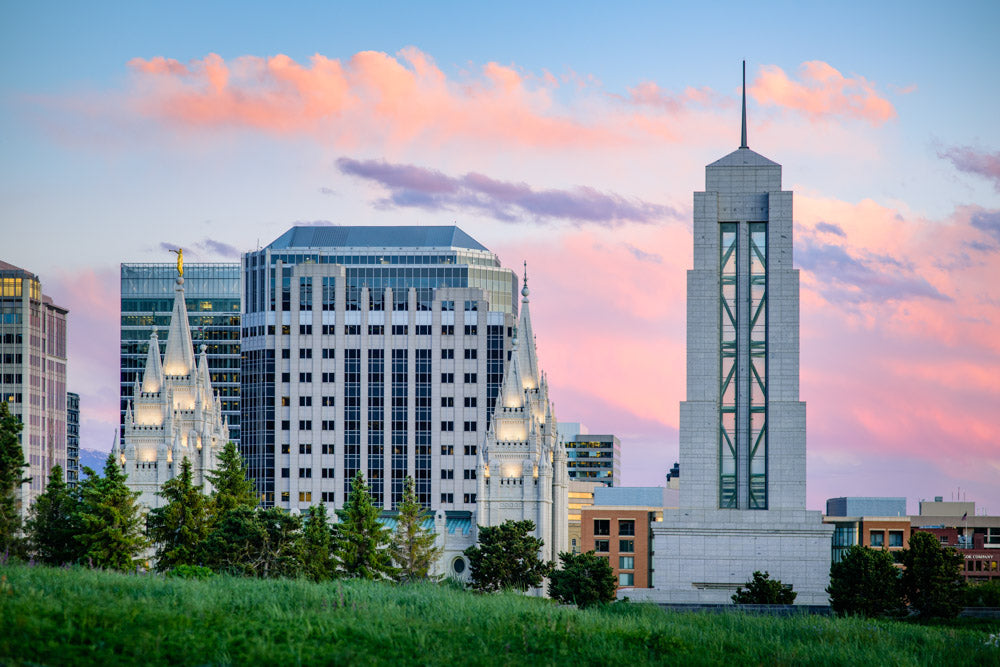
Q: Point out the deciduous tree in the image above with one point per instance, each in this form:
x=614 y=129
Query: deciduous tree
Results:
x=363 y=540
x=762 y=589
x=413 y=549
x=506 y=557
x=865 y=582
x=932 y=577
x=256 y=542
x=584 y=580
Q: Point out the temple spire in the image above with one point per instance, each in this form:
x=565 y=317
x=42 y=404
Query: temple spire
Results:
x=179 y=357
x=743 y=135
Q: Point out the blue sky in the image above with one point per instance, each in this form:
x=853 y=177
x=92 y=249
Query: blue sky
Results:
x=883 y=116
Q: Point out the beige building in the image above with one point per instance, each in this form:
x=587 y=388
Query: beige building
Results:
x=33 y=373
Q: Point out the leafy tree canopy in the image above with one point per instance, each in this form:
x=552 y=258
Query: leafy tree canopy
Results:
x=506 y=557
x=584 y=580
x=932 y=579
x=762 y=589
x=413 y=549
x=865 y=582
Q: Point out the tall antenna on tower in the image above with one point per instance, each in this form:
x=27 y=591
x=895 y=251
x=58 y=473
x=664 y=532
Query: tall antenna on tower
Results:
x=743 y=136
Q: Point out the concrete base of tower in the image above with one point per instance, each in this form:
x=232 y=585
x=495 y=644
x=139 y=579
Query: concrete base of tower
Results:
x=703 y=556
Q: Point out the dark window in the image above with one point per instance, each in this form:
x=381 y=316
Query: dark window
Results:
x=470 y=401
x=470 y=354
x=447 y=353
x=305 y=353
x=470 y=426
x=602 y=546
x=470 y=378
x=447 y=401
x=470 y=474
x=305 y=448
x=602 y=526
x=447 y=378
x=447 y=474
x=470 y=450
x=626 y=527
x=470 y=330
x=447 y=426
x=626 y=546
x=447 y=450
x=284 y=472
x=469 y=498
x=305 y=401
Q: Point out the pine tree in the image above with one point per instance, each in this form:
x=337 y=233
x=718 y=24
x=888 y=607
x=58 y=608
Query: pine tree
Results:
x=363 y=541
x=11 y=463
x=110 y=519
x=319 y=561
x=180 y=527
x=506 y=557
x=52 y=525
x=231 y=488
x=413 y=549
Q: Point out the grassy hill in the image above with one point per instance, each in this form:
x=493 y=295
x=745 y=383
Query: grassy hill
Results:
x=80 y=616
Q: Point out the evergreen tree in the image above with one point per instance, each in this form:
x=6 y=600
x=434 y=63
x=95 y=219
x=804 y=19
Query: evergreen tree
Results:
x=507 y=558
x=52 y=524
x=584 y=580
x=363 y=541
x=110 y=520
x=319 y=561
x=180 y=527
x=231 y=488
x=865 y=582
x=413 y=549
x=762 y=589
x=11 y=463
x=932 y=577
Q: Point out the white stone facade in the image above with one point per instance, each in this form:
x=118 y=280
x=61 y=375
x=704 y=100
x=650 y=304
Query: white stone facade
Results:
x=723 y=532
x=174 y=414
x=522 y=464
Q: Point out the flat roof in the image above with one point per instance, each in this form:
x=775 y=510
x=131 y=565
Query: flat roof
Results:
x=395 y=236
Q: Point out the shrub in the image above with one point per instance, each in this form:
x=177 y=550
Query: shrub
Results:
x=985 y=594
x=762 y=589
x=199 y=572
x=865 y=582
x=507 y=558
x=584 y=580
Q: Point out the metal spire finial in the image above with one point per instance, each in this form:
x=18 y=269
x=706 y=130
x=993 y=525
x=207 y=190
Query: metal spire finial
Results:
x=743 y=136
x=524 y=290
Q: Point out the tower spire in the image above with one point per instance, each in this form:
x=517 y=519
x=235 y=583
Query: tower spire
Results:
x=743 y=135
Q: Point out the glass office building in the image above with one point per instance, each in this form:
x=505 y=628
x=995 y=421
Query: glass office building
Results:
x=371 y=349
x=212 y=293
x=594 y=458
x=72 y=438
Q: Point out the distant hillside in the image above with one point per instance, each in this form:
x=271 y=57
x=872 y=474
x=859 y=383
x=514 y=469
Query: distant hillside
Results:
x=93 y=458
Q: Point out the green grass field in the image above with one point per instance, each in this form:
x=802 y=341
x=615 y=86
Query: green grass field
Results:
x=78 y=616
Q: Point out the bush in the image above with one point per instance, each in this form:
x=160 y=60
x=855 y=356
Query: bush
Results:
x=199 y=572
x=865 y=582
x=506 y=557
x=985 y=594
x=584 y=580
x=762 y=589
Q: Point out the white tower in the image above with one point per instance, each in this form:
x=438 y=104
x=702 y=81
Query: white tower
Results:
x=742 y=427
x=173 y=414
x=522 y=464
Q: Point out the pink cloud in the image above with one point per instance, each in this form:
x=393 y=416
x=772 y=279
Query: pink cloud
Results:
x=821 y=92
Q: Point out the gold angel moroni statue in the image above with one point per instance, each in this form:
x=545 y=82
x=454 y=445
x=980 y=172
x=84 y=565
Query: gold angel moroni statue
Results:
x=180 y=261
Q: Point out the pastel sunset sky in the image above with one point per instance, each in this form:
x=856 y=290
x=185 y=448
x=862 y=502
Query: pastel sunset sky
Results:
x=570 y=136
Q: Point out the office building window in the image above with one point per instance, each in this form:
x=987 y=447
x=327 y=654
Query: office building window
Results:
x=877 y=538
x=626 y=527
x=447 y=474
x=447 y=498
x=626 y=562
x=895 y=538
x=626 y=579
x=469 y=497
x=626 y=546
x=602 y=526
x=602 y=546
x=447 y=401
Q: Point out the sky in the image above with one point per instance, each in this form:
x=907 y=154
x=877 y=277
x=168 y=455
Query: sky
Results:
x=567 y=135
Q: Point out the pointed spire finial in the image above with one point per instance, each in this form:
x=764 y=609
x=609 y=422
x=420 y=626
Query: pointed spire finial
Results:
x=743 y=136
x=524 y=290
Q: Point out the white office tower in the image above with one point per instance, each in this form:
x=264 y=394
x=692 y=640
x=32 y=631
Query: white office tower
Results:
x=174 y=413
x=742 y=427
x=522 y=464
